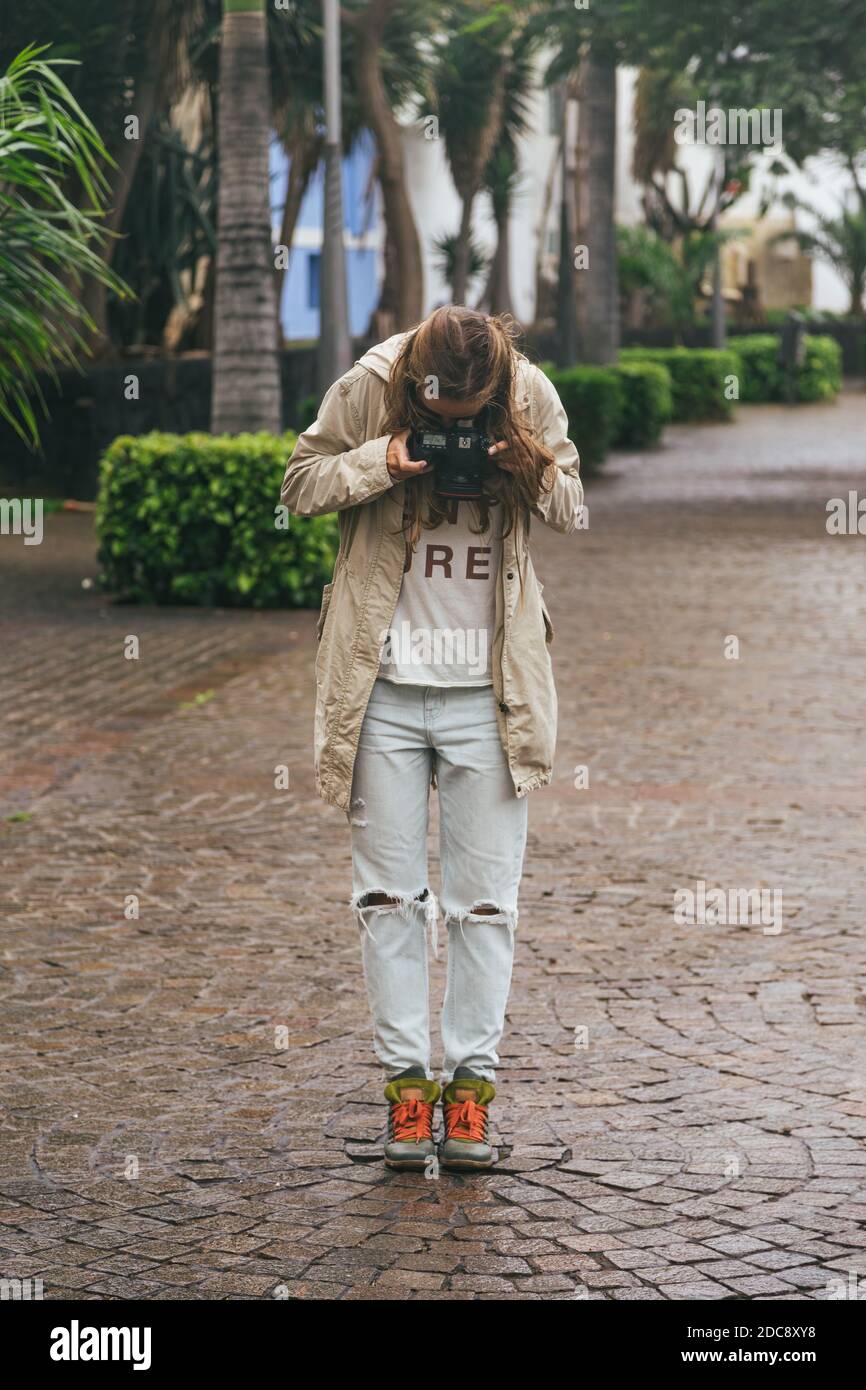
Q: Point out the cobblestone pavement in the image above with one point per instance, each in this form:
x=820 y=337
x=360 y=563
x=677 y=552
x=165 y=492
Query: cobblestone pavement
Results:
x=191 y=1108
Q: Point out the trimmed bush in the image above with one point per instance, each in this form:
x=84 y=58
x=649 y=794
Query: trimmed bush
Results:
x=762 y=377
x=193 y=519
x=760 y=371
x=592 y=397
x=820 y=377
x=698 y=379
x=647 y=404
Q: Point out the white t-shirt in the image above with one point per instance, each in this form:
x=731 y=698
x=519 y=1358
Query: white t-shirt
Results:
x=442 y=629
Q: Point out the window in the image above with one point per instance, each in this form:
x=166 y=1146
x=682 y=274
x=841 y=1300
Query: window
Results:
x=314 y=268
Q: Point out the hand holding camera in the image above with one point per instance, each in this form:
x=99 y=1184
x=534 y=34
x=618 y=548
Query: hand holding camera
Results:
x=399 y=463
x=461 y=456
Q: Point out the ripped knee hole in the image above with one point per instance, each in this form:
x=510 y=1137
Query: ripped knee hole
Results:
x=384 y=900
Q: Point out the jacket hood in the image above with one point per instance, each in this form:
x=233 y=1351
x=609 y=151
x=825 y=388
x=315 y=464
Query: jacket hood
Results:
x=380 y=358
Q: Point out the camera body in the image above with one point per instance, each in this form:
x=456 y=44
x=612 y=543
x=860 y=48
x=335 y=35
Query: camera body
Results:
x=459 y=457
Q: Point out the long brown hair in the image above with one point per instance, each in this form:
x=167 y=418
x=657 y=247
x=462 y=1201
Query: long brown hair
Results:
x=461 y=354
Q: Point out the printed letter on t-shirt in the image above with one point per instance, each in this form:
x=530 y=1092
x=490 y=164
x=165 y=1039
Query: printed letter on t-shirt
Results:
x=447 y=555
x=478 y=555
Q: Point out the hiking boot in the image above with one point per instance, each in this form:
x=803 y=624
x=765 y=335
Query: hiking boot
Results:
x=465 y=1100
x=411 y=1099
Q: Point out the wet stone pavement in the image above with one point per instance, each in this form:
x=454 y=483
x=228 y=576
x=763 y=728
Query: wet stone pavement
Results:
x=190 y=1104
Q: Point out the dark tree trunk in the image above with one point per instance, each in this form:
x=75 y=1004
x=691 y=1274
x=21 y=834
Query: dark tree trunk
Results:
x=497 y=295
x=460 y=282
x=387 y=132
x=599 y=300
x=246 y=369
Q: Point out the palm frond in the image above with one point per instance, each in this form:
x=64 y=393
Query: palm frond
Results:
x=47 y=243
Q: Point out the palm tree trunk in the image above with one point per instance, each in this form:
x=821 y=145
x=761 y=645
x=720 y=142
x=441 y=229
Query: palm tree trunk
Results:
x=497 y=294
x=468 y=181
x=387 y=132
x=383 y=320
x=460 y=282
x=597 y=161
x=246 y=369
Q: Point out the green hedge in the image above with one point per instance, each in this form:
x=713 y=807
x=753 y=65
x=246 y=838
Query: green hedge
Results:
x=647 y=404
x=592 y=397
x=193 y=519
x=698 y=379
x=763 y=379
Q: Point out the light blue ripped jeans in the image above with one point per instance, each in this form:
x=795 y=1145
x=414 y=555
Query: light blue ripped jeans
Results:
x=407 y=730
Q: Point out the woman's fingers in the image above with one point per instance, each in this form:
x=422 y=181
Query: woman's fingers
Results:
x=498 y=448
x=397 y=455
x=400 y=465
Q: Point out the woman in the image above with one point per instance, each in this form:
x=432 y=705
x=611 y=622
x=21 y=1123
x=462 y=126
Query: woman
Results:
x=433 y=668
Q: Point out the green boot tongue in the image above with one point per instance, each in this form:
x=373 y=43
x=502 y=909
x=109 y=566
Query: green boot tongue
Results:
x=428 y=1091
x=469 y=1088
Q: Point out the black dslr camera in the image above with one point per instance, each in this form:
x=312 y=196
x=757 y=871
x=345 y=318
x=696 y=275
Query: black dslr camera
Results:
x=459 y=456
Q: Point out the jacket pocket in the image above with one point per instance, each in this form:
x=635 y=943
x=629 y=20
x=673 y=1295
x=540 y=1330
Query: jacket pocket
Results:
x=323 y=611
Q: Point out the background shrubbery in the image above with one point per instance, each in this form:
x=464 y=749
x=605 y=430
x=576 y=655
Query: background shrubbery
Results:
x=191 y=519
x=592 y=397
x=626 y=406
x=762 y=377
x=647 y=403
x=698 y=379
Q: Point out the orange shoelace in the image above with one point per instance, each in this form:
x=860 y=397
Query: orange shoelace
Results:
x=411 y=1121
x=465 y=1119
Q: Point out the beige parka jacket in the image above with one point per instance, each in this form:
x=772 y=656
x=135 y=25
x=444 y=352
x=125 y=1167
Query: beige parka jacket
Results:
x=338 y=465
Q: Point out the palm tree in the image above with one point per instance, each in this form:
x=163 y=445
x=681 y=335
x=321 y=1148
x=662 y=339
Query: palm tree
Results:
x=502 y=175
x=246 y=370
x=501 y=181
x=369 y=27
x=133 y=60
x=446 y=256
x=470 y=79
x=596 y=161
x=589 y=44
x=48 y=243
x=840 y=241
x=296 y=59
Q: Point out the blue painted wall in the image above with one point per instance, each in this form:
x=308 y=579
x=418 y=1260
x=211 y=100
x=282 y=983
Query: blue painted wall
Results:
x=299 y=310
